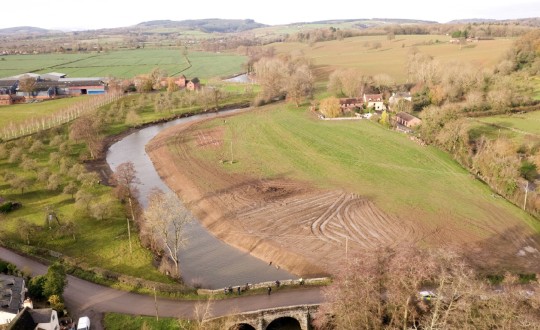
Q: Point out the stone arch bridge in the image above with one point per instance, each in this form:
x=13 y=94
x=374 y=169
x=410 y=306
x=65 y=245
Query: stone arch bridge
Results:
x=290 y=317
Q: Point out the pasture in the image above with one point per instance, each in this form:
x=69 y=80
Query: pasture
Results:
x=284 y=174
x=376 y=54
x=518 y=127
x=125 y=63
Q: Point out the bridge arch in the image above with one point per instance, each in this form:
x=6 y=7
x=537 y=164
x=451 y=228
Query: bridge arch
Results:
x=284 y=323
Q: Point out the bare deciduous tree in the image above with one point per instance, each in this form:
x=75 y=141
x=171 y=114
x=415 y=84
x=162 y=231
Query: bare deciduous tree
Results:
x=168 y=218
x=125 y=179
x=299 y=84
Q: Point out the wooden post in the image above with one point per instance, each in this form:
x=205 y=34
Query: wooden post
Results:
x=129 y=237
x=155 y=302
x=526 y=192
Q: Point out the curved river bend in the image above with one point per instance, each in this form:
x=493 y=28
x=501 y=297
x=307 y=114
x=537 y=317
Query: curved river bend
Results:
x=205 y=259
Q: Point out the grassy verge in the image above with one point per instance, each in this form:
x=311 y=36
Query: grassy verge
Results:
x=115 y=321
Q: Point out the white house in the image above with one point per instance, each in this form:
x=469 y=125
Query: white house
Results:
x=374 y=101
x=399 y=96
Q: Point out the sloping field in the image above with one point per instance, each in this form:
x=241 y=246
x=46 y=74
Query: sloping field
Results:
x=518 y=127
x=528 y=123
x=125 y=63
x=390 y=56
x=317 y=189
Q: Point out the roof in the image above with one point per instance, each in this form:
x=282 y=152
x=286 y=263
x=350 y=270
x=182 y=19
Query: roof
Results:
x=29 y=74
x=373 y=97
x=11 y=293
x=349 y=101
x=401 y=94
x=8 y=83
x=29 y=318
x=44 y=85
x=406 y=116
x=22 y=321
x=98 y=79
x=56 y=74
x=41 y=315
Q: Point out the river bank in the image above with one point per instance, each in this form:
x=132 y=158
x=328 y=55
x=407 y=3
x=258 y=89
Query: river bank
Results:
x=181 y=178
x=206 y=261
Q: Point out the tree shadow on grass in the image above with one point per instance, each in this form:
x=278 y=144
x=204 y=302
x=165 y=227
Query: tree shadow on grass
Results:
x=513 y=250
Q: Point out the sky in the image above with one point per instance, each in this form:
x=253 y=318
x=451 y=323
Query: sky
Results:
x=96 y=14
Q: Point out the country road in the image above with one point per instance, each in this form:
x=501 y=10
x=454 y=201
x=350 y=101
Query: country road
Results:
x=83 y=297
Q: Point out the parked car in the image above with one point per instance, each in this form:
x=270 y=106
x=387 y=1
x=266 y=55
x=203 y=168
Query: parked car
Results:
x=427 y=295
x=84 y=323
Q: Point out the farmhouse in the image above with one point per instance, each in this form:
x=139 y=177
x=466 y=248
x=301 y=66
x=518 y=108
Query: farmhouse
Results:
x=179 y=81
x=350 y=103
x=12 y=290
x=407 y=120
x=374 y=101
x=193 y=84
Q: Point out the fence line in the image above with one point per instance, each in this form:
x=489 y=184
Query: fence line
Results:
x=34 y=125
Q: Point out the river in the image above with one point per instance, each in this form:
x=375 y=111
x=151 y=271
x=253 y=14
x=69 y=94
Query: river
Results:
x=205 y=260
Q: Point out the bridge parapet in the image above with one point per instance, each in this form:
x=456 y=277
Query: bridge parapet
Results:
x=261 y=319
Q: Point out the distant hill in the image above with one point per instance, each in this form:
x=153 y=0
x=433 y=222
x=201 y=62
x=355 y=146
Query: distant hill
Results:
x=24 y=30
x=207 y=25
x=531 y=21
x=371 y=21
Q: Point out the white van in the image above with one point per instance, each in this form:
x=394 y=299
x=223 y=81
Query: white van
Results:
x=84 y=323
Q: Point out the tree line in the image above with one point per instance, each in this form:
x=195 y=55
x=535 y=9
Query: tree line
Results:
x=449 y=96
x=408 y=288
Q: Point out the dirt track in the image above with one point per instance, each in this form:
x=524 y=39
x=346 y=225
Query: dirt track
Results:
x=305 y=230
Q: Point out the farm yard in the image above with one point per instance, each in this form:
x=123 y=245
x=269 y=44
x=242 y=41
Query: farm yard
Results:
x=278 y=179
x=125 y=63
x=375 y=54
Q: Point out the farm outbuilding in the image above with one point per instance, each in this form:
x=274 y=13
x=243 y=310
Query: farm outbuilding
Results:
x=407 y=120
x=50 y=85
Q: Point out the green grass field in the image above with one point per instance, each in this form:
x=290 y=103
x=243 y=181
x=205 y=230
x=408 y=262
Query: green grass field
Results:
x=115 y=321
x=517 y=127
x=20 y=112
x=405 y=179
x=391 y=57
x=125 y=63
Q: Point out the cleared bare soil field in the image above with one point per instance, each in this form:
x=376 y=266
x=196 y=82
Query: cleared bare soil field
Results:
x=303 y=193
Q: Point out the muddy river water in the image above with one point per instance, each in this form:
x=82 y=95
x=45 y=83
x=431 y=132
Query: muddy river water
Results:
x=205 y=259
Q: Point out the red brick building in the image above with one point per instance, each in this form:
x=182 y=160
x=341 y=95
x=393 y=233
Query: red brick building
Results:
x=193 y=84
